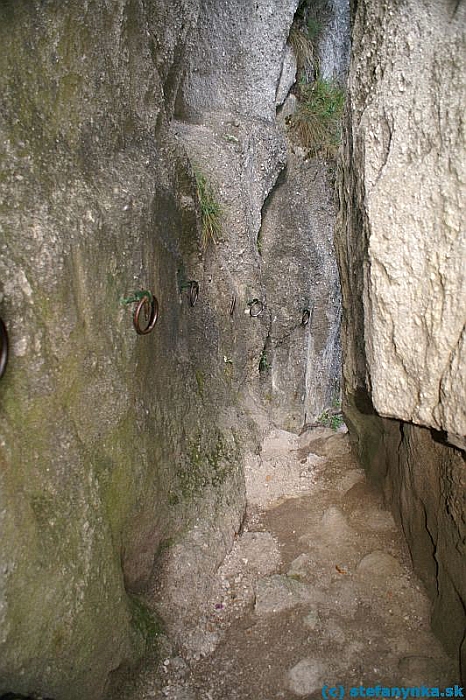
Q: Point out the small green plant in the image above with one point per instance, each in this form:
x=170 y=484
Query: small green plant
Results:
x=336 y=421
x=211 y=211
x=304 y=37
x=264 y=364
x=331 y=419
x=200 y=381
x=316 y=124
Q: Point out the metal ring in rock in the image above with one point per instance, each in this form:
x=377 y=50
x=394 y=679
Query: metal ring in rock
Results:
x=256 y=308
x=153 y=316
x=3 y=348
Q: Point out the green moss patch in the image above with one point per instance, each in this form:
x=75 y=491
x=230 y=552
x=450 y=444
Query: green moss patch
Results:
x=146 y=622
x=205 y=466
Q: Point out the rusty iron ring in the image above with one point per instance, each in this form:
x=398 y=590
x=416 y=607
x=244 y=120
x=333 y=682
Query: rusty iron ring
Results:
x=306 y=317
x=193 y=292
x=256 y=304
x=232 y=304
x=154 y=314
x=3 y=348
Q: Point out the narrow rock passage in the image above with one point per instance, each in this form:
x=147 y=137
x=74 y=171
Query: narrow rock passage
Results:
x=318 y=589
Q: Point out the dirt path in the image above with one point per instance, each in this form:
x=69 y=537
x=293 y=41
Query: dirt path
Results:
x=317 y=591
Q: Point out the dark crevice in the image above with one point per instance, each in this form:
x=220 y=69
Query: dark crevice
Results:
x=281 y=179
x=265 y=358
x=440 y=436
x=363 y=402
x=15 y=696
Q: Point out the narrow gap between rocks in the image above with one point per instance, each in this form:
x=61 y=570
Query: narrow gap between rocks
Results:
x=318 y=590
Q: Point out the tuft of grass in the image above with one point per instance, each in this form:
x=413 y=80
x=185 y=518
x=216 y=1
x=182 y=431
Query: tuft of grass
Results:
x=316 y=124
x=211 y=211
x=303 y=48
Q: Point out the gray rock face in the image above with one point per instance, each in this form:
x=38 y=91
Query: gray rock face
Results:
x=287 y=77
x=300 y=273
x=380 y=566
x=334 y=44
x=122 y=454
x=277 y=241
x=237 y=66
x=108 y=445
x=412 y=187
x=236 y=58
x=401 y=250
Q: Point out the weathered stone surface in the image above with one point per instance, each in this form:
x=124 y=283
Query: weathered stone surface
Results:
x=333 y=45
x=287 y=77
x=260 y=551
x=121 y=448
x=419 y=670
x=278 y=592
x=411 y=189
x=300 y=567
x=109 y=446
x=307 y=676
x=239 y=68
x=401 y=249
x=311 y=620
x=236 y=58
x=226 y=121
x=301 y=372
x=241 y=158
x=380 y=565
x=272 y=475
x=335 y=527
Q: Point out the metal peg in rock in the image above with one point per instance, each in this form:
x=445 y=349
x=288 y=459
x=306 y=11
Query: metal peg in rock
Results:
x=146 y=302
x=256 y=307
x=3 y=348
x=306 y=317
x=193 y=291
x=232 y=304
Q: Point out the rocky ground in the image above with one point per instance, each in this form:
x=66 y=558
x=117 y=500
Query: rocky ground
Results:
x=317 y=591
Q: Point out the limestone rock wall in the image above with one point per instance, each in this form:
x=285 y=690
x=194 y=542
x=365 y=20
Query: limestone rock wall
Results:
x=121 y=480
x=239 y=65
x=122 y=454
x=236 y=57
x=278 y=208
x=302 y=357
x=402 y=250
x=112 y=444
x=409 y=141
x=333 y=20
